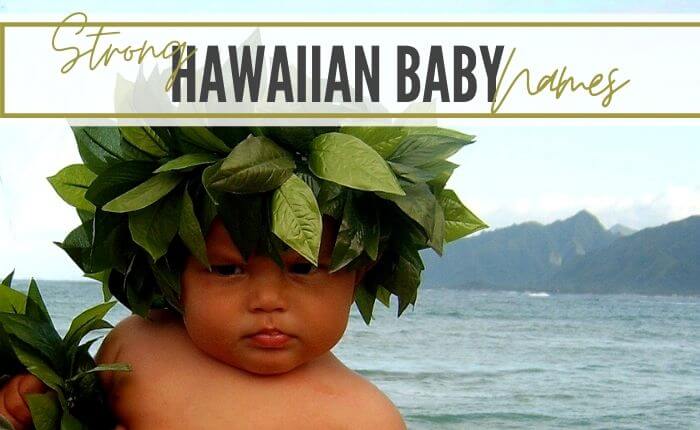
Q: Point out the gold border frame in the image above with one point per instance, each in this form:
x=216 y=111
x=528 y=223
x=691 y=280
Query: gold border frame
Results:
x=369 y=24
x=2 y=70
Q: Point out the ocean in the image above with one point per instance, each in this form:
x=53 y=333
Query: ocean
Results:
x=507 y=360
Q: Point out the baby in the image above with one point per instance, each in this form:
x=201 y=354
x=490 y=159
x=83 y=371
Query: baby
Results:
x=249 y=247
x=251 y=350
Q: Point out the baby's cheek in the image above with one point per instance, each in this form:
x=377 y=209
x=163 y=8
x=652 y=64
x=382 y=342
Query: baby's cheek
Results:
x=328 y=328
x=208 y=322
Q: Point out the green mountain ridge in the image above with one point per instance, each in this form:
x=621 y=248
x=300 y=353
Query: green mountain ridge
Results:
x=574 y=255
x=657 y=260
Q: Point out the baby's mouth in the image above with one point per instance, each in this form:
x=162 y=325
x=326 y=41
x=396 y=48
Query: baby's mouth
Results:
x=269 y=338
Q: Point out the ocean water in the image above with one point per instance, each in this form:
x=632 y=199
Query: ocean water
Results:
x=483 y=360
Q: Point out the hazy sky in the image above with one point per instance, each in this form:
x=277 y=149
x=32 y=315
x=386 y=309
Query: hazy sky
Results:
x=637 y=175
x=407 y=7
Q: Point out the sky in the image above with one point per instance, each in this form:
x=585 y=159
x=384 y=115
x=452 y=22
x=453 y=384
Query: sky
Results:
x=408 y=7
x=639 y=175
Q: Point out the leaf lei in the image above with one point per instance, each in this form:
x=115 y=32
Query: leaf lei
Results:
x=147 y=196
x=29 y=343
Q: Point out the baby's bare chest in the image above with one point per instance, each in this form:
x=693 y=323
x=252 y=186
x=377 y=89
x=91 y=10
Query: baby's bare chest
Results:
x=174 y=389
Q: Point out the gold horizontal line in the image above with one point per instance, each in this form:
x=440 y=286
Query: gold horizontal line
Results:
x=313 y=115
x=351 y=24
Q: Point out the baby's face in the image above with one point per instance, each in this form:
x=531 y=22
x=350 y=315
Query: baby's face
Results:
x=261 y=318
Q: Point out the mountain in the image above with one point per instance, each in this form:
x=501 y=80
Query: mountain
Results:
x=574 y=255
x=659 y=260
x=621 y=230
x=519 y=255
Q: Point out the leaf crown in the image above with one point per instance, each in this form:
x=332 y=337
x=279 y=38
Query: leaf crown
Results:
x=147 y=196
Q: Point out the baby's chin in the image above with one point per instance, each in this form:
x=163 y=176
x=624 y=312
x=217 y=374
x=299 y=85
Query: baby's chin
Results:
x=266 y=366
x=257 y=369
x=263 y=363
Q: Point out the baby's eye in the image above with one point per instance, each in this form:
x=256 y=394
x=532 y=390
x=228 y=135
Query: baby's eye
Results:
x=227 y=269
x=302 y=268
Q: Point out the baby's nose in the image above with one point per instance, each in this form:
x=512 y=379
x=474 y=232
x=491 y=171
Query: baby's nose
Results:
x=267 y=296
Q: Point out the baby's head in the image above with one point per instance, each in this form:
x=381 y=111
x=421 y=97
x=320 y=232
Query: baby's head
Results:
x=150 y=196
x=260 y=317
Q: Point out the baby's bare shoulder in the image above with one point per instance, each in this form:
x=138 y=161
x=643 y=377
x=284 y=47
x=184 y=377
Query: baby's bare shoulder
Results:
x=135 y=338
x=370 y=408
x=135 y=329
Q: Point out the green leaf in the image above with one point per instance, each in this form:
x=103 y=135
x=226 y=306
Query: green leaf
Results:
x=384 y=140
x=169 y=283
x=130 y=152
x=144 y=194
x=231 y=135
x=154 y=227
x=118 y=179
x=244 y=218
x=190 y=232
x=405 y=279
x=441 y=170
x=71 y=183
x=419 y=204
x=331 y=198
x=139 y=294
x=441 y=132
x=436 y=239
x=98 y=244
x=384 y=296
x=85 y=215
x=420 y=148
x=9 y=364
x=165 y=135
x=371 y=232
x=112 y=367
x=205 y=208
x=364 y=300
x=207 y=175
x=35 y=307
x=37 y=366
x=296 y=219
x=297 y=138
x=346 y=160
x=255 y=165
x=87 y=321
x=80 y=358
x=69 y=422
x=203 y=138
x=272 y=247
x=98 y=146
x=45 y=410
x=349 y=242
x=42 y=336
x=311 y=180
x=187 y=161
x=8 y=279
x=145 y=139
x=11 y=301
x=410 y=173
x=459 y=220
